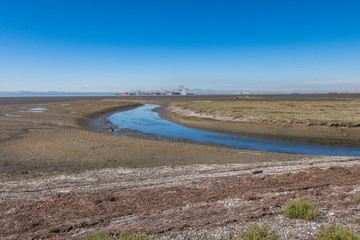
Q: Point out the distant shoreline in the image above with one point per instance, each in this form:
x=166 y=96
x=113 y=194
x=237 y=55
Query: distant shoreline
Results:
x=41 y=100
x=51 y=99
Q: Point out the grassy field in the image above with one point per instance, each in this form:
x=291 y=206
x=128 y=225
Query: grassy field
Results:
x=318 y=112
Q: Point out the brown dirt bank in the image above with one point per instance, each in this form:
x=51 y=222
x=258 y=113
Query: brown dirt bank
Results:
x=34 y=145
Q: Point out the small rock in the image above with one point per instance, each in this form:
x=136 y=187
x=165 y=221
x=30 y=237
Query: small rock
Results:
x=257 y=171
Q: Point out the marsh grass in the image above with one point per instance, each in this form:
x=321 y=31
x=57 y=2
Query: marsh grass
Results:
x=300 y=209
x=340 y=111
x=334 y=232
x=257 y=232
x=106 y=236
x=357 y=197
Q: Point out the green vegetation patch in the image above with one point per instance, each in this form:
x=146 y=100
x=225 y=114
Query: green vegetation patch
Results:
x=334 y=232
x=106 y=236
x=357 y=197
x=300 y=209
x=257 y=232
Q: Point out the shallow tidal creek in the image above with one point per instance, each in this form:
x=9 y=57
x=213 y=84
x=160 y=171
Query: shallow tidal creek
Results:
x=145 y=122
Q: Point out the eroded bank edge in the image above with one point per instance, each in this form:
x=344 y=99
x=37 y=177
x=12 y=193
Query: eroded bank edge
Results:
x=259 y=130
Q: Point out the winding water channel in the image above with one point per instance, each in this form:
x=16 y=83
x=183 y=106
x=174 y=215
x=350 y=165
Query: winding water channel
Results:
x=144 y=120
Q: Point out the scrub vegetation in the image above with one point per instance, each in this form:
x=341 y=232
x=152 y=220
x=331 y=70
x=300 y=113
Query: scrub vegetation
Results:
x=334 y=232
x=253 y=232
x=357 y=197
x=300 y=209
x=257 y=232
x=342 y=112
x=106 y=236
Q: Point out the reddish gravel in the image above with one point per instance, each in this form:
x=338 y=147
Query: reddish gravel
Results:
x=207 y=203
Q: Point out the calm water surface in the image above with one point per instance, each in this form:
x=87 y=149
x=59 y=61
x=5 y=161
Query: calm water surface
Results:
x=145 y=120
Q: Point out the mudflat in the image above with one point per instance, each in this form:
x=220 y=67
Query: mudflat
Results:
x=63 y=138
x=65 y=175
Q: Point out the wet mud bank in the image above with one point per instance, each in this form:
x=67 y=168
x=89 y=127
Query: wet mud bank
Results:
x=282 y=131
x=145 y=123
x=98 y=122
x=51 y=143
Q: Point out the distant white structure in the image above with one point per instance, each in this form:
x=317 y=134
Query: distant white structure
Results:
x=173 y=92
x=183 y=90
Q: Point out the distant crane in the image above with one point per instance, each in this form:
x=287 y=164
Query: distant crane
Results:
x=183 y=89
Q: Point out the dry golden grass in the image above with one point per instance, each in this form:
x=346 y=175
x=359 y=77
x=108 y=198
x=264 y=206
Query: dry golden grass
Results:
x=339 y=111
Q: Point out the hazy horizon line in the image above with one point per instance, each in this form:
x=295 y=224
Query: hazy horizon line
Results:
x=195 y=90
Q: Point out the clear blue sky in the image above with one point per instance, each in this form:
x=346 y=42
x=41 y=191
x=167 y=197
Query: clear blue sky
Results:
x=63 y=45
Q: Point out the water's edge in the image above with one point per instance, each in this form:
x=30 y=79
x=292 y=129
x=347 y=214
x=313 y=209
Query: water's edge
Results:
x=99 y=122
x=144 y=122
x=165 y=114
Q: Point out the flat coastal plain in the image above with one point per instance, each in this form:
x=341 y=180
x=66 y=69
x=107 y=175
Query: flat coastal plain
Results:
x=65 y=175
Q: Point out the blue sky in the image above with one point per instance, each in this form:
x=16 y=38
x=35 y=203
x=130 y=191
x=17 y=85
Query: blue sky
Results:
x=126 y=45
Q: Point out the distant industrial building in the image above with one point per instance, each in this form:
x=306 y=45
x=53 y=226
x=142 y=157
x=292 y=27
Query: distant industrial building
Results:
x=174 y=92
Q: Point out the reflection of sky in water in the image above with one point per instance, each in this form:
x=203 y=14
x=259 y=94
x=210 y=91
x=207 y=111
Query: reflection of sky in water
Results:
x=145 y=120
x=11 y=115
x=35 y=110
